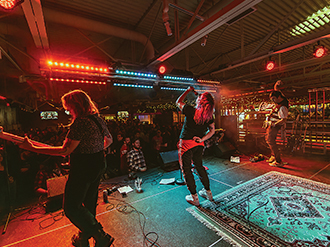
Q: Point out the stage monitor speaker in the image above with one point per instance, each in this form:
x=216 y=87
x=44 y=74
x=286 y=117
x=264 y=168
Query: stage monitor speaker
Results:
x=223 y=149
x=170 y=160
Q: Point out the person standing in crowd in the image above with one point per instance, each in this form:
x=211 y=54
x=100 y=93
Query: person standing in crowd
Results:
x=276 y=121
x=135 y=160
x=125 y=148
x=191 y=143
x=87 y=138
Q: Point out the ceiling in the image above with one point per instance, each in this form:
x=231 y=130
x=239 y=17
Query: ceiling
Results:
x=241 y=36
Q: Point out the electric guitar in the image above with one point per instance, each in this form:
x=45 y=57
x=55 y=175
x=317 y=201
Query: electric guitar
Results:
x=18 y=139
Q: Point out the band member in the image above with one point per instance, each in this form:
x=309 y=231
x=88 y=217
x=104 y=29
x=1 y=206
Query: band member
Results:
x=276 y=121
x=87 y=138
x=191 y=143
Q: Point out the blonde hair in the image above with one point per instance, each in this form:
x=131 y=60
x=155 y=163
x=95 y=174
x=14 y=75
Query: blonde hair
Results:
x=79 y=102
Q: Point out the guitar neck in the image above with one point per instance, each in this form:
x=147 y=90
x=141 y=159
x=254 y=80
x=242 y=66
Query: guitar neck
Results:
x=18 y=139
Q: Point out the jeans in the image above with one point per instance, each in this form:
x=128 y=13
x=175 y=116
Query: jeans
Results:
x=81 y=190
x=271 y=134
x=194 y=155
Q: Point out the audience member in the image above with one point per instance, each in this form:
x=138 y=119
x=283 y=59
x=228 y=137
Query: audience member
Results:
x=135 y=160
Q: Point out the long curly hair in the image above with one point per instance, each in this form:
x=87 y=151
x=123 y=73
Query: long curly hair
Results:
x=79 y=102
x=204 y=108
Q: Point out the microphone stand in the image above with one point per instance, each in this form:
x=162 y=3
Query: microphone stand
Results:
x=180 y=181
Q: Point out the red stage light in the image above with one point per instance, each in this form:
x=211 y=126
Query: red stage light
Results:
x=270 y=65
x=9 y=4
x=319 y=52
x=162 y=69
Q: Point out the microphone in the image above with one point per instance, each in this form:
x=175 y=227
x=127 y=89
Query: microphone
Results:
x=195 y=92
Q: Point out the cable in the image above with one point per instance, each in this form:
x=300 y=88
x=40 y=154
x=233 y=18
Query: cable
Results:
x=126 y=208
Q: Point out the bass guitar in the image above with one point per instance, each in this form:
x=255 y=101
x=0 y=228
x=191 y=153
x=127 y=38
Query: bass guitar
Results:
x=18 y=139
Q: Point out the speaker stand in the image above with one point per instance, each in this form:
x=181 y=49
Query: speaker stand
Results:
x=180 y=181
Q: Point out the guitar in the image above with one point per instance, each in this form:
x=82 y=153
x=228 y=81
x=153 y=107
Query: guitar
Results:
x=18 y=139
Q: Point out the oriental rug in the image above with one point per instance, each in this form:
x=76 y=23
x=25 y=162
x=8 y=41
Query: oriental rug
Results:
x=272 y=210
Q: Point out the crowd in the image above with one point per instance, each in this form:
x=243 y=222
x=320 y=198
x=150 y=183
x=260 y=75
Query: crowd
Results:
x=31 y=170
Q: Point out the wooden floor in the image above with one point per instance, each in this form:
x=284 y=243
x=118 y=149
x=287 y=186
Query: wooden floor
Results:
x=159 y=212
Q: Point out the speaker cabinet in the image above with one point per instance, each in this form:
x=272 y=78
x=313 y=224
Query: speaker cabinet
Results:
x=223 y=149
x=170 y=160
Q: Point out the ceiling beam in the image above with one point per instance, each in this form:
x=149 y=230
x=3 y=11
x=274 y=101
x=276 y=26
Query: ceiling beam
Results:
x=224 y=15
x=295 y=44
x=35 y=18
x=286 y=68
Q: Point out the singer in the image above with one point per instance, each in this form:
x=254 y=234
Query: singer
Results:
x=191 y=144
x=87 y=138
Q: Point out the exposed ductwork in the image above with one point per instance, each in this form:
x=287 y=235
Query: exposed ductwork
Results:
x=99 y=27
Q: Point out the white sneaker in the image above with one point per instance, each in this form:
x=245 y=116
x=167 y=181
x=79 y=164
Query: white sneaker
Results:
x=193 y=199
x=207 y=194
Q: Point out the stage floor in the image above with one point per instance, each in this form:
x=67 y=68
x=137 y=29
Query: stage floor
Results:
x=159 y=211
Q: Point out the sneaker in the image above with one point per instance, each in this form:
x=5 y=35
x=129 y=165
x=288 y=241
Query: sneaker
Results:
x=271 y=159
x=207 y=194
x=276 y=164
x=193 y=199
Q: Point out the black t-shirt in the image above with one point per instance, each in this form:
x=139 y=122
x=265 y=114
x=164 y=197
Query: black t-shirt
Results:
x=86 y=131
x=190 y=128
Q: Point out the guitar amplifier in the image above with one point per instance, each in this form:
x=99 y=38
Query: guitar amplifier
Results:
x=56 y=185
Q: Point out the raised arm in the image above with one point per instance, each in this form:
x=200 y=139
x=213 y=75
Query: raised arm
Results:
x=179 y=101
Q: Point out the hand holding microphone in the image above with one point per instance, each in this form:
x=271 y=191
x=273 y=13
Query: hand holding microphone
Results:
x=193 y=90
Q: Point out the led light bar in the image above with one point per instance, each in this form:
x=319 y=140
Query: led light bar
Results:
x=79 y=72
x=134 y=73
x=205 y=90
x=207 y=81
x=183 y=89
x=131 y=85
x=77 y=67
x=173 y=88
x=178 y=78
x=78 y=81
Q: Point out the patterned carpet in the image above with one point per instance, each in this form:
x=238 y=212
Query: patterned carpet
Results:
x=272 y=210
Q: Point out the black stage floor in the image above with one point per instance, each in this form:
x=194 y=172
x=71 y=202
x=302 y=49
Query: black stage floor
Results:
x=159 y=212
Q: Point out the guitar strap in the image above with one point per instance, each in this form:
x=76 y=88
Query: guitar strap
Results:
x=93 y=118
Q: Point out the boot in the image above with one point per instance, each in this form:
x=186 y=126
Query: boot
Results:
x=80 y=240
x=102 y=239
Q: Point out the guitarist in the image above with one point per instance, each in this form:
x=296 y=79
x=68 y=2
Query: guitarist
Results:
x=276 y=122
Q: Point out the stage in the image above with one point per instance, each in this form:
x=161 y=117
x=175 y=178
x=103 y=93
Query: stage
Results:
x=159 y=213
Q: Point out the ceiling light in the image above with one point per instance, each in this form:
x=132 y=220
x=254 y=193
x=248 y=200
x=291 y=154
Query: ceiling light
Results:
x=319 y=51
x=270 y=65
x=10 y=4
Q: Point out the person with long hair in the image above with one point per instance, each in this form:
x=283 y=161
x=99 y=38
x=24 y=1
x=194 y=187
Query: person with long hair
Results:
x=87 y=138
x=277 y=121
x=198 y=126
